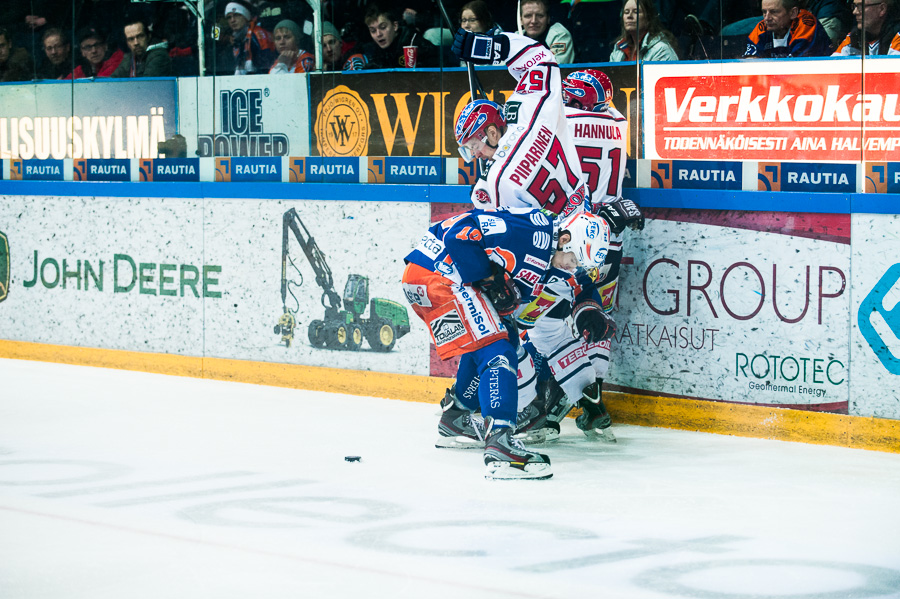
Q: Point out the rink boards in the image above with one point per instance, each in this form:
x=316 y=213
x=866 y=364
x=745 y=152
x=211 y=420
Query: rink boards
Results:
x=733 y=320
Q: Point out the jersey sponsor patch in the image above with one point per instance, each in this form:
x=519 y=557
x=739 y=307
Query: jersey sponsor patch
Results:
x=416 y=295
x=539 y=219
x=479 y=320
x=491 y=225
x=430 y=245
x=537 y=262
x=447 y=327
x=529 y=276
x=541 y=240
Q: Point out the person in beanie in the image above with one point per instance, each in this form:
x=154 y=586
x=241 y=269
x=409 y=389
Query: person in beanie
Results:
x=291 y=59
x=252 y=46
x=334 y=56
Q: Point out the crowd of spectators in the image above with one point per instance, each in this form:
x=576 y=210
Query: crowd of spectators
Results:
x=77 y=39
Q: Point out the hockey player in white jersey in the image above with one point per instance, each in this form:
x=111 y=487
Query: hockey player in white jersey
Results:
x=600 y=133
x=532 y=160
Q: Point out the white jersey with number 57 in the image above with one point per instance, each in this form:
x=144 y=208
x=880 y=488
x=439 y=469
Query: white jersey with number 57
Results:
x=536 y=164
x=600 y=142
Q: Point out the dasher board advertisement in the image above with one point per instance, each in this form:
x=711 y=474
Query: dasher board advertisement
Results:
x=413 y=113
x=262 y=115
x=110 y=118
x=741 y=307
x=807 y=110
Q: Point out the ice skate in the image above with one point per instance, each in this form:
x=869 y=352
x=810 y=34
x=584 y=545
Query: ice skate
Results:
x=533 y=427
x=505 y=458
x=555 y=401
x=594 y=420
x=458 y=428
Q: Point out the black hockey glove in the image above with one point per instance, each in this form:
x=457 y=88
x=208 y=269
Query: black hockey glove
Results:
x=478 y=48
x=592 y=323
x=501 y=290
x=621 y=213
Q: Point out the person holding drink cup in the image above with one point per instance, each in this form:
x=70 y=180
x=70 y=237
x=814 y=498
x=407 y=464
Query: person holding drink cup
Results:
x=394 y=44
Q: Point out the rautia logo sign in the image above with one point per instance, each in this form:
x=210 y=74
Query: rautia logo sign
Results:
x=879 y=325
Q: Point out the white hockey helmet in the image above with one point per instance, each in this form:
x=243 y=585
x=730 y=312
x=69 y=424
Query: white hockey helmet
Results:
x=589 y=238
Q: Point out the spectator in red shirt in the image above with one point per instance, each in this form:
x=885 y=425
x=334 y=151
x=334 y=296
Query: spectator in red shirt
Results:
x=97 y=60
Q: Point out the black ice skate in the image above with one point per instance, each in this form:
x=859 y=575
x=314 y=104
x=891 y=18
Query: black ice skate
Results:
x=594 y=421
x=533 y=426
x=505 y=458
x=554 y=400
x=458 y=428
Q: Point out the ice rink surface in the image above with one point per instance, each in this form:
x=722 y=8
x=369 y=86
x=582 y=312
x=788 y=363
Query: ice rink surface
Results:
x=126 y=485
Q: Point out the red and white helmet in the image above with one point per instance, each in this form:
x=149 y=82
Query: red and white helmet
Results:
x=588 y=89
x=589 y=238
x=473 y=122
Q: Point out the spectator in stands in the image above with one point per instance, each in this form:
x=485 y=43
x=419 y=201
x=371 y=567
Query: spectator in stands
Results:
x=877 y=29
x=15 y=63
x=291 y=59
x=58 y=54
x=98 y=62
x=787 y=31
x=476 y=16
x=643 y=36
x=144 y=60
x=388 y=39
x=835 y=17
x=252 y=46
x=536 y=25
x=334 y=56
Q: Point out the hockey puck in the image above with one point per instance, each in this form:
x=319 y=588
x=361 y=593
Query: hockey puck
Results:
x=352 y=458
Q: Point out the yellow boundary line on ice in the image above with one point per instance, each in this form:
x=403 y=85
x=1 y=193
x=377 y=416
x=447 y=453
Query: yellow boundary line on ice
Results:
x=686 y=414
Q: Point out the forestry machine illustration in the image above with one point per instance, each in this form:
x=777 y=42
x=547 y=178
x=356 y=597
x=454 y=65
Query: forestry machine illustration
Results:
x=340 y=328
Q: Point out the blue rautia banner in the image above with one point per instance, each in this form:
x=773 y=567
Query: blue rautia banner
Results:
x=241 y=169
x=37 y=170
x=170 y=169
x=840 y=178
x=109 y=118
x=324 y=170
x=113 y=169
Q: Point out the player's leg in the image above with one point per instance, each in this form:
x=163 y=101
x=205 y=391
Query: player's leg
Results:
x=532 y=424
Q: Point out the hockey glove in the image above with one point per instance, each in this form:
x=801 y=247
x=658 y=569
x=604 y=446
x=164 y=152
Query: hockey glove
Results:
x=621 y=213
x=592 y=323
x=478 y=48
x=501 y=290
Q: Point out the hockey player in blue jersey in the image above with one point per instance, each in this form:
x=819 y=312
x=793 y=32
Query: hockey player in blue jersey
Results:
x=471 y=271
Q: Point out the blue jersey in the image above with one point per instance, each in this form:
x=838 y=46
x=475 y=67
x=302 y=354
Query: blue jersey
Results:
x=521 y=241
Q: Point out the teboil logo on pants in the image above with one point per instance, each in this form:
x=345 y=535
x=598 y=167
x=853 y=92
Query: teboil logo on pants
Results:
x=4 y=266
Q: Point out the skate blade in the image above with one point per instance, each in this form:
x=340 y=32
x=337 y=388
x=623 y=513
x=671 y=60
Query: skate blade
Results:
x=458 y=442
x=539 y=436
x=506 y=471
x=604 y=435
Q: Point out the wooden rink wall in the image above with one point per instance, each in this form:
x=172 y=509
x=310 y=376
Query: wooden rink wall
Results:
x=684 y=414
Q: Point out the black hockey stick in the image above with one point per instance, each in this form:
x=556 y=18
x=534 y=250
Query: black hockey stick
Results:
x=476 y=92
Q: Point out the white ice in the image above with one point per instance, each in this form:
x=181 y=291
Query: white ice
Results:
x=125 y=485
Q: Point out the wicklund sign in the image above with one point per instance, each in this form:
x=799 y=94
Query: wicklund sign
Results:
x=413 y=112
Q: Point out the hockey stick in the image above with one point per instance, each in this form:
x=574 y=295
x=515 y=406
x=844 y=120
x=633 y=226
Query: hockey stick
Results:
x=476 y=92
